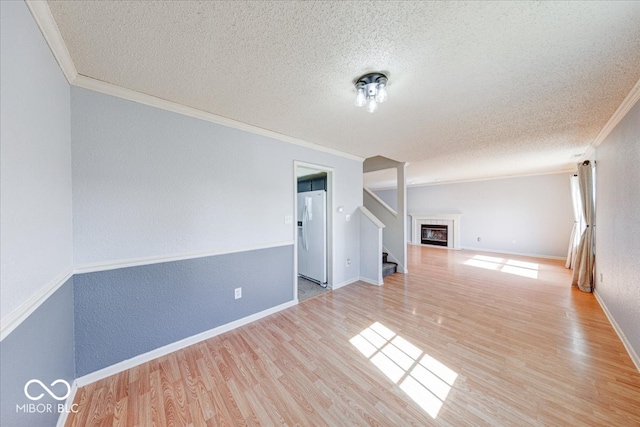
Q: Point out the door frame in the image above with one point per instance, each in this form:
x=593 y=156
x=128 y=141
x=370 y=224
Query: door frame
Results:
x=330 y=203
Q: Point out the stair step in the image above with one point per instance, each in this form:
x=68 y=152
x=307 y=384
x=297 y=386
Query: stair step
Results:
x=389 y=268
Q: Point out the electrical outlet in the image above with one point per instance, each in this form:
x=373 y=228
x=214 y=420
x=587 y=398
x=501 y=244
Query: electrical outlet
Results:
x=601 y=279
x=479 y=239
x=288 y=219
x=348 y=262
x=238 y=293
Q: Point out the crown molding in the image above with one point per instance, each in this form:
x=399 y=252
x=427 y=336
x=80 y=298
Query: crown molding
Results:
x=627 y=104
x=163 y=104
x=489 y=178
x=49 y=29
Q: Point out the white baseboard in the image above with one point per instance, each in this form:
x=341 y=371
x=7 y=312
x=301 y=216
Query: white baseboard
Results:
x=435 y=246
x=634 y=356
x=514 y=253
x=178 y=345
x=62 y=419
x=345 y=283
x=372 y=282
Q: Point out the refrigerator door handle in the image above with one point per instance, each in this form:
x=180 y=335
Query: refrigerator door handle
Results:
x=304 y=228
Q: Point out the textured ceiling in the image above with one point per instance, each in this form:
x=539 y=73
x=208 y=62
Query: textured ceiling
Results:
x=476 y=89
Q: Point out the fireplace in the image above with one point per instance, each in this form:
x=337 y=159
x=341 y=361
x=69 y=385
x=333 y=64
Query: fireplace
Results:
x=451 y=220
x=434 y=234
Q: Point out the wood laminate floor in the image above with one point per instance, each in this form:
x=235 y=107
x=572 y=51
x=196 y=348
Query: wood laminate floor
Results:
x=465 y=339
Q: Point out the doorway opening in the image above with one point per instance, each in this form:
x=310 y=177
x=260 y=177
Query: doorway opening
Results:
x=313 y=242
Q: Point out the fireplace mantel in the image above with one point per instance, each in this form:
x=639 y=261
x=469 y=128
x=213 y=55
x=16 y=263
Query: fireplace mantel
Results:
x=450 y=219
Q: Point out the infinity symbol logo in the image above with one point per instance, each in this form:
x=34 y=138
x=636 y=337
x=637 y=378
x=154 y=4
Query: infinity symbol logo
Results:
x=52 y=394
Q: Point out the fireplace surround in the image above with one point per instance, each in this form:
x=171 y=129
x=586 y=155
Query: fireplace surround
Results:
x=451 y=220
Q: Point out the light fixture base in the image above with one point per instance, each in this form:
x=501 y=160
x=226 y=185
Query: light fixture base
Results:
x=371 y=89
x=370 y=78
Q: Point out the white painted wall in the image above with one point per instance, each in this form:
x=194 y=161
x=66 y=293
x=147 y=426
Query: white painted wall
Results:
x=394 y=234
x=535 y=211
x=370 y=247
x=618 y=226
x=152 y=183
x=35 y=161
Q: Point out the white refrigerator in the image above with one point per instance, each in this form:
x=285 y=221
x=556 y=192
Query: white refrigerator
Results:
x=312 y=236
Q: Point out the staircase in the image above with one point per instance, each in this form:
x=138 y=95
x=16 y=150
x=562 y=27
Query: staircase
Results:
x=387 y=266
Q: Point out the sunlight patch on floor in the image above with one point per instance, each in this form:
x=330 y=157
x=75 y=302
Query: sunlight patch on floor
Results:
x=510 y=266
x=420 y=376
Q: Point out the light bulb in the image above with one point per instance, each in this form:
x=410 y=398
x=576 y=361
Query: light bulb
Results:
x=381 y=94
x=360 y=98
x=372 y=105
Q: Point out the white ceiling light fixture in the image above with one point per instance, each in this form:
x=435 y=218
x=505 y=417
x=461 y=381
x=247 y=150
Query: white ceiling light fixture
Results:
x=371 y=89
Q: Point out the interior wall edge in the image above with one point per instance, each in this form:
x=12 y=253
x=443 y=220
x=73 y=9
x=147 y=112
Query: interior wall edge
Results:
x=627 y=345
x=24 y=310
x=40 y=348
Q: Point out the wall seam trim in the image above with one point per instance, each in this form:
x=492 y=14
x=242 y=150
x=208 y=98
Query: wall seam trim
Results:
x=24 y=310
x=627 y=345
x=177 y=345
x=135 y=262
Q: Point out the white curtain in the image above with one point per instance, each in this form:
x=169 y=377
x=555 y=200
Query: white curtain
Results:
x=578 y=222
x=585 y=257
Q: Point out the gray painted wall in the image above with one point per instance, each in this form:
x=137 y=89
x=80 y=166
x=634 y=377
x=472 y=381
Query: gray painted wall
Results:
x=148 y=183
x=36 y=244
x=535 y=211
x=40 y=348
x=370 y=250
x=35 y=161
x=395 y=232
x=122 y=313
x=618 y=225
